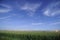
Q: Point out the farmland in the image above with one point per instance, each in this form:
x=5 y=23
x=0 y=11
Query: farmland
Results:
x=29 y=35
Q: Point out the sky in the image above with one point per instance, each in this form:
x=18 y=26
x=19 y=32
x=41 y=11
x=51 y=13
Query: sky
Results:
x=29 y=14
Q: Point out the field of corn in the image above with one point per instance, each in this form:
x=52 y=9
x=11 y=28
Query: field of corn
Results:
x=29 y=35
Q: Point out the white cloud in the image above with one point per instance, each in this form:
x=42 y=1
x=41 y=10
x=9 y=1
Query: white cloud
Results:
x=53 y=9
x=47 y=12
x=30 y=8
x=5 y=17
x=8 y=16
x=37 y=23
x=6 y=9
x=55 y=23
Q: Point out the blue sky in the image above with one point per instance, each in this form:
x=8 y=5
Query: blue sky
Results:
x=29 y=15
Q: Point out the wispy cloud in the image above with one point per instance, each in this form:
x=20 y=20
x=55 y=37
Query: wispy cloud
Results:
x=8 y=16
x=55 y=23
x=30 y=8
x=5 y=17
x=53 y=9
x=6 y=8
x=47 y=12
x=46 y=24
x=37 y=23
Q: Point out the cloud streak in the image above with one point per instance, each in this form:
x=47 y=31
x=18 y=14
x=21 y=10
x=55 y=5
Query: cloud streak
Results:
x=55 y=23
x=30 y=8
x=6 y=8
x=52 y=23
x=8 y=16
x=53 y=9
x=37 y=24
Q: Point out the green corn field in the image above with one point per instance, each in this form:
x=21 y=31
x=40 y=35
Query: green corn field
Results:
x=29 y=35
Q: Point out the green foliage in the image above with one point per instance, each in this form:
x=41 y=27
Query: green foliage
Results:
x=29 y=35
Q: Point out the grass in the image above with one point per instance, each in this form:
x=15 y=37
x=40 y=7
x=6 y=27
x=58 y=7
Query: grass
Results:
x=29 y=35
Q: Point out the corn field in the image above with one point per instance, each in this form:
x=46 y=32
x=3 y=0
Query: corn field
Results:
x=29 y=35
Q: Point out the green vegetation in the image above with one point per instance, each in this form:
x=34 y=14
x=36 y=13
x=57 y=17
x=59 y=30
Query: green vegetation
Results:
x=29 y=35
